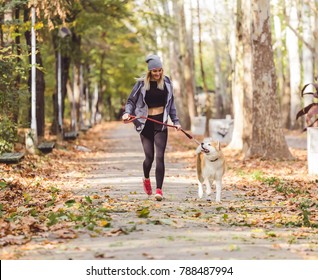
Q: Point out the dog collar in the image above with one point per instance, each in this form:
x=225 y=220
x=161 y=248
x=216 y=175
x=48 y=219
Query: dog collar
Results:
x=213 y=160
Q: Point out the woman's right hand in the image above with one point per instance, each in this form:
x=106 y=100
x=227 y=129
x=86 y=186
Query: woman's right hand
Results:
x=125 y=117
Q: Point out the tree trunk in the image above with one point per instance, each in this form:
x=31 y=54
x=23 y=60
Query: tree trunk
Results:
x=208 y=98
x=40 y=81
x=308 y=55
x=247 y=75
x=316 y=41
x=73 y=94
x=267 y=138
x=9 y=95
x=1 y=30
x=55 y=124
x=189 y=60
x=82 y=99
x=40 y=99
x=177 y=70
x=237 y=80
x=294 y=62
x=7 y=39
x=220 y=91
x=65 y=66
x=15 y=111
x=230 y=40
x=166 y=40
x=94 y=104
x=101 y=87
x=88 y=96
x=283 y=87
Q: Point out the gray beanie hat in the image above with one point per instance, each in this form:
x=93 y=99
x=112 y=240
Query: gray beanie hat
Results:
x=153 y=62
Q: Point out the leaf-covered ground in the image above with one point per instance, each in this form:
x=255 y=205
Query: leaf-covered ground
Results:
x=45 y=200
x=271 y=193
x=37 y=197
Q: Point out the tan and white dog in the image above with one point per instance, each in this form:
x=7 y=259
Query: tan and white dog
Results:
x=211 y=167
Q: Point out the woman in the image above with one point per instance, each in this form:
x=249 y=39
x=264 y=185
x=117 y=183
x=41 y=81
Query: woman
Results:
x=152 y=96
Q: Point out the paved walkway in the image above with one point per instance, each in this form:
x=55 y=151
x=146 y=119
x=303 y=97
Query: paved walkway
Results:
x=172 y=229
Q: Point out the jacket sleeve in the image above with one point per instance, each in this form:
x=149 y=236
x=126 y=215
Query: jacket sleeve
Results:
x=173 y=112
x=132 y=99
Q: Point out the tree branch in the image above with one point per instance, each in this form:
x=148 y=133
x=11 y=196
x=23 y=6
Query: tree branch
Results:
x=300 y=37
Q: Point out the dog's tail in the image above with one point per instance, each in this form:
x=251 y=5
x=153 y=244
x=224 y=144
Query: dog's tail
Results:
x=199 y=167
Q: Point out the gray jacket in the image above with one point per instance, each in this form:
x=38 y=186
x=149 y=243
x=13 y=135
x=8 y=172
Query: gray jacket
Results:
x=137 y=106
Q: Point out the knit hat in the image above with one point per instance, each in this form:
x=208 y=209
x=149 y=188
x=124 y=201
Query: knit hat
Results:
x=153 y=62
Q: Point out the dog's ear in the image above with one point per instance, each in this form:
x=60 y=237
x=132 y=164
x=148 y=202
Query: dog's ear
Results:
x=218 y=145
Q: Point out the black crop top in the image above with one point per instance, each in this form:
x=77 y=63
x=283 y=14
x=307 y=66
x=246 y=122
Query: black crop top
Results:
x=156 y=97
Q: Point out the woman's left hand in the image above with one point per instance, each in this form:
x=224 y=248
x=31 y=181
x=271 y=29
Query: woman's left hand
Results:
x=178 y=127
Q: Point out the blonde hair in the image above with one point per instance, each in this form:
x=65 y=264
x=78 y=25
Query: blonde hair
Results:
x=147 y=78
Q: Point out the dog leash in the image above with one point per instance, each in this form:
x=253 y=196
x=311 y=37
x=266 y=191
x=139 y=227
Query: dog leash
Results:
x=132 y=118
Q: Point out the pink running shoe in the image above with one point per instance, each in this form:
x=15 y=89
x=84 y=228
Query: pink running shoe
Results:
x=147 y=186
x=159 y=195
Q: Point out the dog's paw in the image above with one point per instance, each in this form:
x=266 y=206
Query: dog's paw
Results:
x=200 y=193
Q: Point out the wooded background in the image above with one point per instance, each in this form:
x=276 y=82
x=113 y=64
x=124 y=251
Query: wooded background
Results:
x=249 y=57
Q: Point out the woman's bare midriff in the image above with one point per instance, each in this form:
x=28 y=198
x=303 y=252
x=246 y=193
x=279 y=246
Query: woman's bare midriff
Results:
x=155 y=111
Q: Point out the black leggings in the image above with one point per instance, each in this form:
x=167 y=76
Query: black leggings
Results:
x=153 y=136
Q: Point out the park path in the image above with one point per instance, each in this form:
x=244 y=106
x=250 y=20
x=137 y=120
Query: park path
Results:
x=172 y=229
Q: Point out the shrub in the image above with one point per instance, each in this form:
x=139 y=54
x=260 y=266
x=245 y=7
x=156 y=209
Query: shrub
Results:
x=8 y=134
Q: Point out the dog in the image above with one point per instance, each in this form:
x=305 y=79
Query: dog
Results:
x=211 y=166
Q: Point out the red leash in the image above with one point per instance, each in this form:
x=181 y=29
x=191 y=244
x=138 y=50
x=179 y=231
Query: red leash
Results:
x=132 y=118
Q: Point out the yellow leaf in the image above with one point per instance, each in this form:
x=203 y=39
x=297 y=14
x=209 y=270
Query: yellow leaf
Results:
x=103 y=223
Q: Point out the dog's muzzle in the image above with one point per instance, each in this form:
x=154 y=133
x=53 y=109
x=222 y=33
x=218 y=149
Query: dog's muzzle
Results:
x=204 y=149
